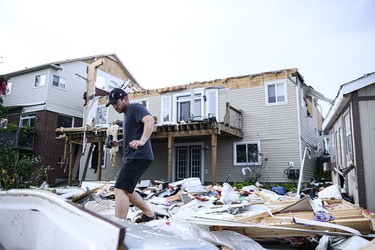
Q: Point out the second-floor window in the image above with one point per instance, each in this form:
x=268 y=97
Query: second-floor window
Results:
x=40 y=80
x=211 y=99
x=189 y=107
x=59 y=82
x=246 y=153
x=166 y=109
x=275 y=92
x=348 y=135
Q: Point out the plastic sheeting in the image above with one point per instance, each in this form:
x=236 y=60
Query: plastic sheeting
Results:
x=185 y=230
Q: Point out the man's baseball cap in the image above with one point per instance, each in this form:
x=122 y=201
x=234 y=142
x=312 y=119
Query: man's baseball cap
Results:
x=115 y=95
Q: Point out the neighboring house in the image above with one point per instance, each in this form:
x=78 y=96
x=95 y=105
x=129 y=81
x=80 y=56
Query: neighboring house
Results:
x=351 y=122
x=51 y=96
x=260 y=126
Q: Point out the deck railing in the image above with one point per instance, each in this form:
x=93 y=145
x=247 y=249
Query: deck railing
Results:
x=12 y=139
x=233 y=117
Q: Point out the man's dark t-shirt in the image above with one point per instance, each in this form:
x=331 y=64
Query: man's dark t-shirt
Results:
x=132 y=130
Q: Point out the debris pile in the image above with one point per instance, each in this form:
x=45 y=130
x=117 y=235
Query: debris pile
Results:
x=252 y=217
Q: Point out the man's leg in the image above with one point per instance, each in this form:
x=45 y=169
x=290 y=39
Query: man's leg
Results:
x=138 y=201
x=121 y=204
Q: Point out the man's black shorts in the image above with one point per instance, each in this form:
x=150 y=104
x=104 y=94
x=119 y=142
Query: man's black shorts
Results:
x=130 y=173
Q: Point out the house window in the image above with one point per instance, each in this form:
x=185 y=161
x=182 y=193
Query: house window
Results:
x=348 y=135
x=59 y=82
x=246 y=153
x=275 y=92
x=64 y=121
x=211 y=103
x=40 y=80
x=144 y=103
x=189 y=107
x=101 y=116
x=338 y=147
x=27 y=120
x=165 y=112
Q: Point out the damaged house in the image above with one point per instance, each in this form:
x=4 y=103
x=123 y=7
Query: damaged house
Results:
x=50 y=96
x=351 y=123
x=255 y=127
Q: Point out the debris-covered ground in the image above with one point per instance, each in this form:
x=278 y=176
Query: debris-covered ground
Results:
x=250 y=218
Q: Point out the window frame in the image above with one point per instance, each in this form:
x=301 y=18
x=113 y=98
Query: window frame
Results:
x=66 y=116
x=247 y=163
x=209 y=94
x=348 y=136
x=42 y=80
x=191 y=97
x=166 y=111
x=143 y=102
x=275 y=84
x=60 y=84
x=30 y=118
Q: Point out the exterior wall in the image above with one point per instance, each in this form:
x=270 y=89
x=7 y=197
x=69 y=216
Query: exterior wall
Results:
x=350 y=182
x=367 y=123
x=338 y=156
x=47 y=147
x=275 y=126
x=23 y=91
x=311 y=139
x=69 y=101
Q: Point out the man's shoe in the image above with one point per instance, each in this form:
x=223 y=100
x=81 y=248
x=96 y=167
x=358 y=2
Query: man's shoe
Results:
x=144 y=218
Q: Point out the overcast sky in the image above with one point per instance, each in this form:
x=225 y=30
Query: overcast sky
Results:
x=165 y=43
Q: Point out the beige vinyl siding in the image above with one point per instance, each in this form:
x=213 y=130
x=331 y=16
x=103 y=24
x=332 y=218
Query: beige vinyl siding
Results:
x=154 y=106
x=275 y=126
x=367 y=121
x=159 y=168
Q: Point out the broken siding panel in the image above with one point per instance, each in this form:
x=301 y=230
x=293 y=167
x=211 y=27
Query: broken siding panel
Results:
x=309 y=137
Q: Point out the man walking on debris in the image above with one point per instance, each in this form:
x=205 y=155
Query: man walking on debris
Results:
x=137 y=128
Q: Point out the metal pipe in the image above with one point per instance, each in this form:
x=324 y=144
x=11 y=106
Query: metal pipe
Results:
x=300 y=179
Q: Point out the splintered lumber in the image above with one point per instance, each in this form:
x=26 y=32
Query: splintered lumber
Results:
x=173 y=198
x=344 y=213
x=85 y=194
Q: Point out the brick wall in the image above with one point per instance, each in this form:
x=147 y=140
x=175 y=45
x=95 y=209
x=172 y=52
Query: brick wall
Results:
x=48 y=147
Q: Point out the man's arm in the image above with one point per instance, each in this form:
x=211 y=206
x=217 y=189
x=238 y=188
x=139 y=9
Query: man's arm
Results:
x=148 y=128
